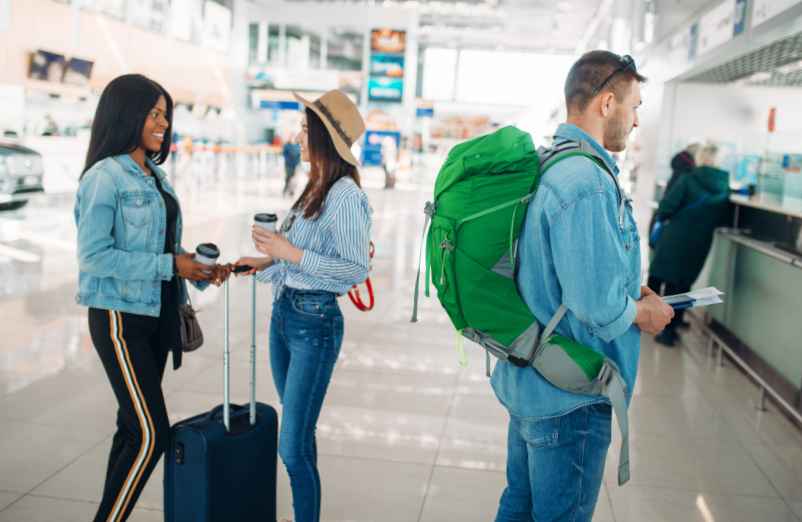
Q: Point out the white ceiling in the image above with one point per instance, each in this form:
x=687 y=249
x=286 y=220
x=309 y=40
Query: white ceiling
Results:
x=553 y=26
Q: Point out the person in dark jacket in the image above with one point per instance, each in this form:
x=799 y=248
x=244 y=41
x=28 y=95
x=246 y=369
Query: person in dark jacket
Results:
x=696 y=205
x=682 y=163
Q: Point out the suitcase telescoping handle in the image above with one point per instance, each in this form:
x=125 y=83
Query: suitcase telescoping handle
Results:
x=227 y=359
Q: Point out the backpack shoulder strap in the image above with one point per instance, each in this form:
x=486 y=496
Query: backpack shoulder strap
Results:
x=567 y=149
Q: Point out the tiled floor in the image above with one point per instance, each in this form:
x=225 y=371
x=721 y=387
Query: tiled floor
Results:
x=406 y=433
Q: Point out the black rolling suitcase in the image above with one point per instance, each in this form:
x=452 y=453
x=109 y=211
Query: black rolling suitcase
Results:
x=221 y=465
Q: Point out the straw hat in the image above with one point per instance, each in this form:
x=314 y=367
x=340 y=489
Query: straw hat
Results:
x=341 y=118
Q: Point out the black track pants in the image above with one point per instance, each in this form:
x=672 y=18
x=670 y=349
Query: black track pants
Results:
x=134 y=360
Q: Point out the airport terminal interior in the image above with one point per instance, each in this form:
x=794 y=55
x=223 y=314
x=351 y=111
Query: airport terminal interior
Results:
x=410 y=429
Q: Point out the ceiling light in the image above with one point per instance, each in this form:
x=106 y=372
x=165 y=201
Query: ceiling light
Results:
x=790 y=68
x=760 y=76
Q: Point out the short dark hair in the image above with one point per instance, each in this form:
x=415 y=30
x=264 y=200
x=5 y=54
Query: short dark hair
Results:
x=588 y=74
x=120 y=117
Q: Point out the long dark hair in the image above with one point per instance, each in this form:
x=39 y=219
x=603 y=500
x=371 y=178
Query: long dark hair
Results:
x=120 y=117
x=327 y=167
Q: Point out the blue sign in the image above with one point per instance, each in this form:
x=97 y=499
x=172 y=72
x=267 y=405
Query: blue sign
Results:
x=372 y=148
x=424 y=112
x=385 y=89
x=279 y=105
x=740 y=17
x=389 y=65
x=693 y=45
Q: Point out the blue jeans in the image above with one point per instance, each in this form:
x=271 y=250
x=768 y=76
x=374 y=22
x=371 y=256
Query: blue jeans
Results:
x=306 y=333
x=555 y=466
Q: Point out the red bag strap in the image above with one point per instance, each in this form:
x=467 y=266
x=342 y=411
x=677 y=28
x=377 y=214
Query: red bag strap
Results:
x=356 y=297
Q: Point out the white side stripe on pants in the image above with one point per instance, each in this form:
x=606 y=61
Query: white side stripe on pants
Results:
x=146 y=424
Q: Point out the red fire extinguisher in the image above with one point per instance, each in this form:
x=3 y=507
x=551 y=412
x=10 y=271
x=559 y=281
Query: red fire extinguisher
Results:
x=354 y=294
x=772 y=119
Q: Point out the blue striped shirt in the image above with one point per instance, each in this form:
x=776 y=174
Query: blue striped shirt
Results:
x=335 y=245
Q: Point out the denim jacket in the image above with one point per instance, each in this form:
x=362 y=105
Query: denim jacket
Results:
x=580 y=247
x=121 y=220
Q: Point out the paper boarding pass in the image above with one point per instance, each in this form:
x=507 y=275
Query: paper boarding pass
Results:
x=702 y=297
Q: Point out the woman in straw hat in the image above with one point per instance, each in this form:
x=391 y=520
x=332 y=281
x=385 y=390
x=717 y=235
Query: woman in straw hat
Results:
x=319 y=253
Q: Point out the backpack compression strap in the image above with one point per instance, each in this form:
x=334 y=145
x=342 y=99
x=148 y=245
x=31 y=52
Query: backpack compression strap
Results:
x=576 y=368
x=429 y=211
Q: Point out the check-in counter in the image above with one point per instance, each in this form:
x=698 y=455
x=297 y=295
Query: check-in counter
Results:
x=759 y=267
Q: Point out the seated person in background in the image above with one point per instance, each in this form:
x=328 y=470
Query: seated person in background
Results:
x=696 y=205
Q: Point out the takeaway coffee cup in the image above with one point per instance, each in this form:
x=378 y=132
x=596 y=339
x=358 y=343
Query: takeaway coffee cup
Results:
x=207 y=253
x=266 y=221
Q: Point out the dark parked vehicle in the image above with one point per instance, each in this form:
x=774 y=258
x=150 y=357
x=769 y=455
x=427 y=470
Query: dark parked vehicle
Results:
x=21 y=173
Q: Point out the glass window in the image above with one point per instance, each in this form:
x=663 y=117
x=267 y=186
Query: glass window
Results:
x=345 y=49
x=274 y=44
x=510 y=78
x=439 y=70
x=253 y=42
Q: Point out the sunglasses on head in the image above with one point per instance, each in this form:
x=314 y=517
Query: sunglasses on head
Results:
x=626 y=64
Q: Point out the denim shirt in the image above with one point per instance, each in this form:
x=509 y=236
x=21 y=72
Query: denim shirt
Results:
x=335 y=244
x=577 y=249
x=121 y=220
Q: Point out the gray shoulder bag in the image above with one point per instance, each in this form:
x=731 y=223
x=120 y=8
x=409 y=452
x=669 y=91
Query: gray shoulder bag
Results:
x=191 y=333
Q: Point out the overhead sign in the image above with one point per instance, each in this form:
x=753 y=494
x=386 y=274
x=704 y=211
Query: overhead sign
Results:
x=679 y=47
x=740 y=16
x=716 y=27
x=386 y=80
x=693 y=42
x=388 y=41
x=763 y=10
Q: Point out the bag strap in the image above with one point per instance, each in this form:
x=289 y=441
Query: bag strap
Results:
x=429 y=211
x=555 y=320
x=573 y=149
x=615 y=391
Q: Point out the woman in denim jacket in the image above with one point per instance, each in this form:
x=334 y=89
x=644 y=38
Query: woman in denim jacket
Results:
x=131 y=274
x=321 y=251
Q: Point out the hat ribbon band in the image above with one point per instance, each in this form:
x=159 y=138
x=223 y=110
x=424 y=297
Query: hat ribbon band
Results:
x=334 y=123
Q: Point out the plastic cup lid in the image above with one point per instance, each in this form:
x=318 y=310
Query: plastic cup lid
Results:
x=208 y=250
x=265 y=218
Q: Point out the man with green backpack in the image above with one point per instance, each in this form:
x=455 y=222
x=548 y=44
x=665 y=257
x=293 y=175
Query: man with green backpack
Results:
x=536 y=257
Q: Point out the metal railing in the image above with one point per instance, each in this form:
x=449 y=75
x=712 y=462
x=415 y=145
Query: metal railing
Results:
x=716 y=345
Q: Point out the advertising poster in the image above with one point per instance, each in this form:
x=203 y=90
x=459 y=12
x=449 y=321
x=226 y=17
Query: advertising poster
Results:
x=386 y=80
x=78 y=72
x=372 y=151
x=388 y=41
x=389 y=65
x=47 y=66
x=385 y=89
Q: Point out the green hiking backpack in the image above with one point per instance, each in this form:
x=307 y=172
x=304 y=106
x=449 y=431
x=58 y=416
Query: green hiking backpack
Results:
x=480 y=200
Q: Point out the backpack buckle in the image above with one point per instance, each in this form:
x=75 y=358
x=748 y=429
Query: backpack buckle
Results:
x=517 y=361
